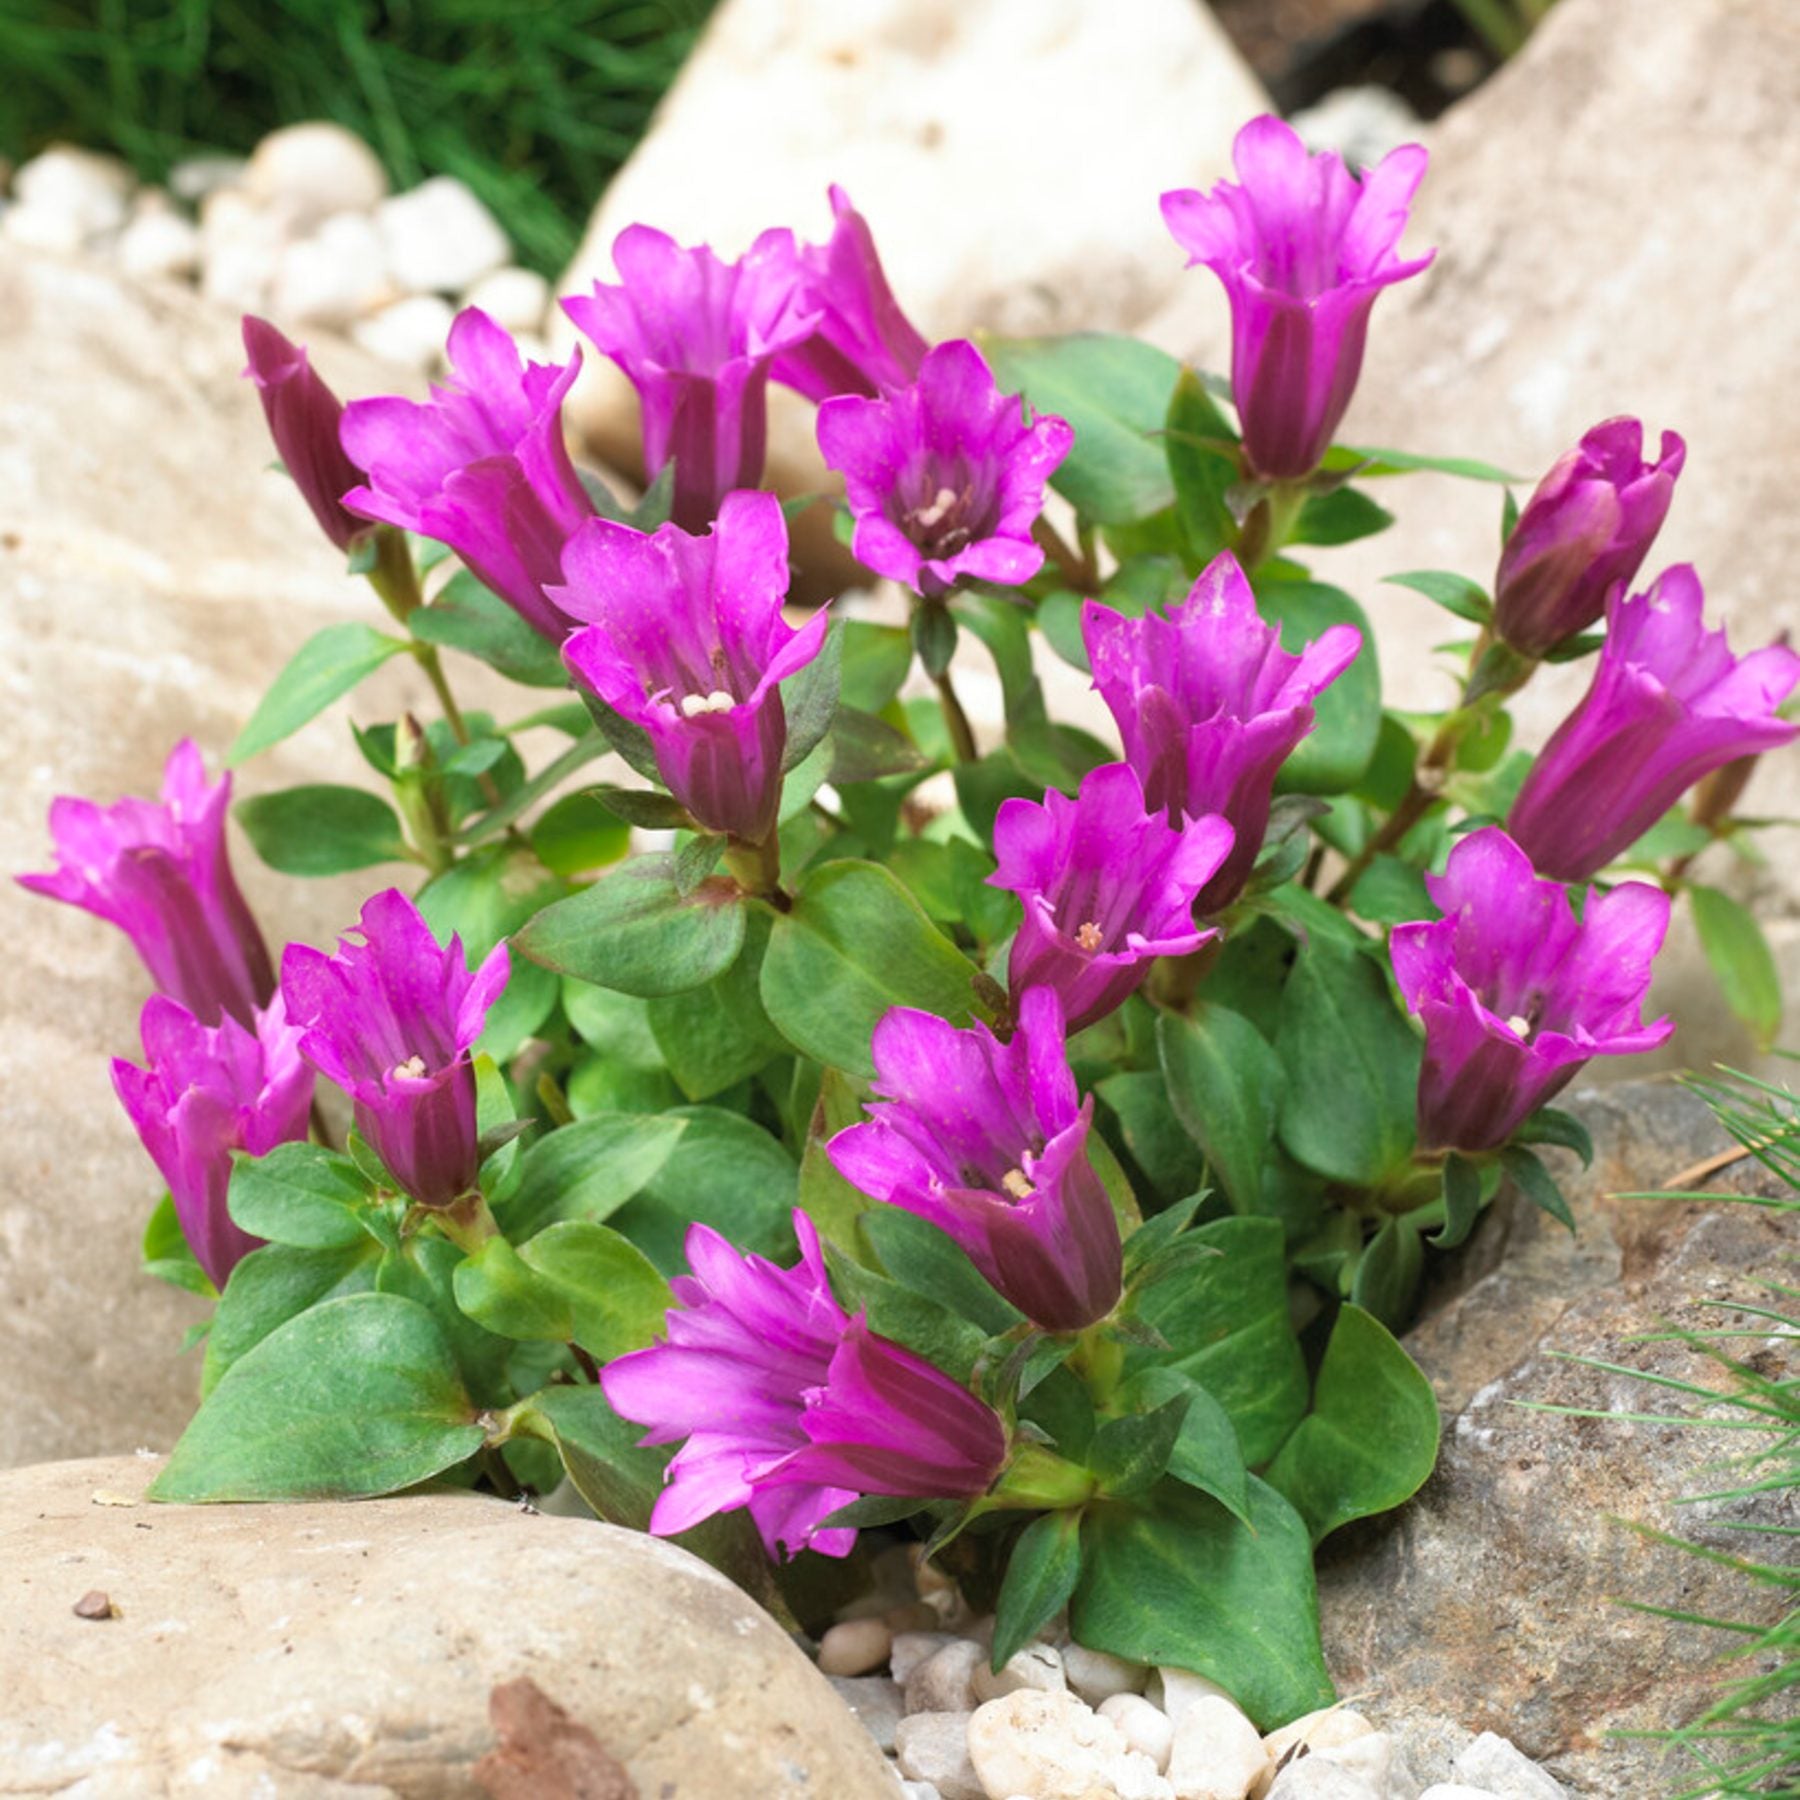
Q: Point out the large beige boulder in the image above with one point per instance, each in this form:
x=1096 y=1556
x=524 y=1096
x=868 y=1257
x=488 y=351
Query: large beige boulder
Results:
x=1008 y=154
x=310 y=1652
x=154 y=576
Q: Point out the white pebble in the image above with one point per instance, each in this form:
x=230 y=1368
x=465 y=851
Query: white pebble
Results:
x=1175 y=1690
x=919 y=1790
x=1145 y=1727
x=854 y=1648
x=159 y=244
x=1457 y=1790
x=945 y=1682
x=515 y=299
x=42 y=228
x=411 y=331
x=333 y=277
x=1326 y=1729
x=314 y=170
x=1095 y=1676
x=912 y=1648
x=875 y=1701
x=1371 y=1756
x=934 y=1747
x=1217 y=1753
x=1495 y=1763
x=240 y=245
x=90 y=193
x=1033 y=1666
x=1318 y=1778
x=1055 y=1747
x=195 y=177
x=439 y=238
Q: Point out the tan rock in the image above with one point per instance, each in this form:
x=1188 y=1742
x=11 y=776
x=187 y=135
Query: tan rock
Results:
x=1055 y=1747
x=361 y=1644
x=315 y=169
x=855 y=1647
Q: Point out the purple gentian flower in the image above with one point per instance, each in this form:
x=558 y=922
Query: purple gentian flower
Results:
x=1210 y=706
x=161 y=873
x=391 y=1020
x=790 y=1407
x=1516 y=995
x=1107 y=887
x=209 y=1090
x=685 y=638
x=1303 y=250
x=696 y=336
x=1587 y=526
x=303 y=415
x=946 y=477
x=481 y=466
x=1668 y=704
x=989 y=1142
x=863 y=343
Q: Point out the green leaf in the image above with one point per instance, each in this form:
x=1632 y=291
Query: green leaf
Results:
x=1537 y=1184
x=864 y=748
x=1041 y=1574
x=1352 y=1064
x=575 y=1281
x=1454 y=593
x=919 y=1322
x=1167 y=1156
x=875 y=661
x=1226 y=1085
x=589 y=1169
x=422 y=1268
x=1372 y=1435
x=1371 y=463
x=468 y=616
x=321 y=830
x=1741 y=960
x=331 y=662
x=1339 y=517
x=1334 y=756
x=833 y=1205
x=1462 y=1201
x=1129 y=1454
x=275 y=1284
x=358 y=1396
x=578 y=833
x=634 y=930
x=1226 y=1320
x=855 y=944
x=1183 y=1584
x=1002 y=625
x=921 y=1257
x=810 y=699
x=1388 y=1273
x=1206 y=1453
x=1115 y=392
x=1202 y=467
x=300 y=1194
x=1550 y=1125
x=1390 y=892
x=488 y=896
x=166 y=1254
x=712 y=1037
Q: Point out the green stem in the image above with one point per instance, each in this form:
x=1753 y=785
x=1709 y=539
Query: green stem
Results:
x=393 y=576
x=1040 y=1479
x=956 y=721
x=1072 y=565
x=1099 y=1359
x=467 y=1223
x=756 y=868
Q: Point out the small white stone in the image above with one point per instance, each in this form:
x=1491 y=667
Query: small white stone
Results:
x=193 y=178
x=1175 y=1690
x=1055 y=1747
x=854 y=1648
x=1362 y=124
x=1217 y=1753
x=90 y=193
x=240 y=245
x=1318 y=1778
x=42 y=228
x=314 y=170
x=1033 y=1666
x=439 y=238
x=1145 y=1728
x=411 y=331
x=1095 y=1676
x=912 y=1648
x=945 y=1682
x=1457 y=1790
x=934 y=1747
x=515 y=299
x=1325 y=1729
x=1371 y=1756
x=334 y=277
x=876 y=1702
x=919 y=1790
x=1496 y=1763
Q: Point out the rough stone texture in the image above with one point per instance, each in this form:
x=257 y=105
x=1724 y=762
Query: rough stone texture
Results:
x=154 y=576
x=352 y=1650
x=1491 y=1600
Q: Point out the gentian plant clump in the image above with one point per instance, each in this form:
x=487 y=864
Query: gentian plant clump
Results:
x=844 y=1116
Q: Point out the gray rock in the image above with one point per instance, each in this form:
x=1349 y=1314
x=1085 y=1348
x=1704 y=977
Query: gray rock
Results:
x=1319 y=1778
x=315 y=1645
x=945 y=1681
x=1508 y=1567
x=876 y=1701
x=1362 y=124
x=1456 y=1790
x=1494 y=1763
x=934 y=1747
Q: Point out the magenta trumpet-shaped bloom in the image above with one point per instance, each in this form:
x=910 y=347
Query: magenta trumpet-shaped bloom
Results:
x=1586 y=527
x=790 y=1407
x=303 y=415
x=989 y=1142
x=1668 y=704
x=683 y=637
x=1107 y=887
x=1514 y=993
x=863 y=343
x=1303 y=250
x=945 y=477
x=1210 y=706
x=480 y=466
x=206 y=1091
x=696 y=336
x=390 y=1018
x=159 y=870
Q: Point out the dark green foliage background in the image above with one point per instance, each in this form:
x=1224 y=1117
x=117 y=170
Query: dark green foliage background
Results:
x=533 y=103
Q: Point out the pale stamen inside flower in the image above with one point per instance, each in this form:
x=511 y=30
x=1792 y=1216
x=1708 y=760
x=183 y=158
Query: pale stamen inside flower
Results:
x=1519 y=1023
x=1089 y=936
x=692 y=705
x=413 y=1069
x=941 y=526
x=1017 y=1183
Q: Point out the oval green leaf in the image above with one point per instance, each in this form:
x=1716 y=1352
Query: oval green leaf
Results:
x=1335 y=754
